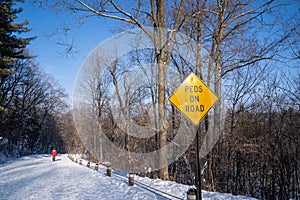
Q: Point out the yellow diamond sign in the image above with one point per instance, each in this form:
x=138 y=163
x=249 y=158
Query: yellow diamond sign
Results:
x=193 y=98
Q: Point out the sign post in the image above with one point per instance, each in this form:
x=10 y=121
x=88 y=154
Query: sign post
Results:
x=194 y=99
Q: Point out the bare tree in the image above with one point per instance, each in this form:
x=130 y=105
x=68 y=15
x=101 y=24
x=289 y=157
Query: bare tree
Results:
x=138 y=15
x=239 y=37
x=230 y=32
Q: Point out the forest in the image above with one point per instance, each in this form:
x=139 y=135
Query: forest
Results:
x=246 y=51
x=35 y=115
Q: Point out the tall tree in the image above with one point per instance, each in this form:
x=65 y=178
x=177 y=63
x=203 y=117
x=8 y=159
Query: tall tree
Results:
x=151 y=13
x=11 y=45
x=239 y=34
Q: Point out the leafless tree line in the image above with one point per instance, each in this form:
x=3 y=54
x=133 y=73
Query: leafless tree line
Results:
x=35 y=116
x=257 y=152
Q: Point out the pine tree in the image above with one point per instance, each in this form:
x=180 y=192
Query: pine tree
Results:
x=11 y=45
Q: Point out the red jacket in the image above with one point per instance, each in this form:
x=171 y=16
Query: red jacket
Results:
x=53 y=153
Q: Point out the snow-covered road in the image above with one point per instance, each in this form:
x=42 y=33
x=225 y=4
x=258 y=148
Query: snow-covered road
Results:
x=37 y=177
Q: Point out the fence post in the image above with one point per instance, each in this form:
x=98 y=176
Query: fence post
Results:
x=96 y=167
x=131 y=179
x=108 y=171
x=191 y=194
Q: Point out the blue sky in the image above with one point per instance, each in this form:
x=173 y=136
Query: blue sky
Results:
x=50 y=56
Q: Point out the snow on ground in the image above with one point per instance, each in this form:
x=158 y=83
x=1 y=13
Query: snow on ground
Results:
x=37 y=177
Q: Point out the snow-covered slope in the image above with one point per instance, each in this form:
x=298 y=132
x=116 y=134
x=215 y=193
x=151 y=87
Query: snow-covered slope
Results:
x=37 y=177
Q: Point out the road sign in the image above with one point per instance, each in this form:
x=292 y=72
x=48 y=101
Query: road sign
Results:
x=193 y=98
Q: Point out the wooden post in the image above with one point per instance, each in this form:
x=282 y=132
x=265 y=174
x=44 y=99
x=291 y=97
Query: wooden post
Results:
x=131 y=179
x=108 y=171
x=191 y=194
x=88 y=164
x=96 y=167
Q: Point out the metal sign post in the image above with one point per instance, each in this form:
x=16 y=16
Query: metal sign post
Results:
x=194 y=99
x=198 y=171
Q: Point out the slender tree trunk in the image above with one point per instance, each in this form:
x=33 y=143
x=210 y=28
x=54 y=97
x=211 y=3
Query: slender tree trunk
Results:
x=163 y=172
x=217 y=84
x=162 y=68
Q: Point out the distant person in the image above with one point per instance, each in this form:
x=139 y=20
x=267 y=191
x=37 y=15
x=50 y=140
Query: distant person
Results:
x=53 y=153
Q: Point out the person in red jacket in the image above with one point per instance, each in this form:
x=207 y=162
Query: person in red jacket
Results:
x=53 y=153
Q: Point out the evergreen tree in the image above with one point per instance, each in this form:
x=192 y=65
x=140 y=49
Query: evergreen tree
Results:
x=11 y=45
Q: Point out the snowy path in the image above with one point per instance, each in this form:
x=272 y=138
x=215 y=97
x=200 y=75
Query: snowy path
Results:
x=37 y=177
